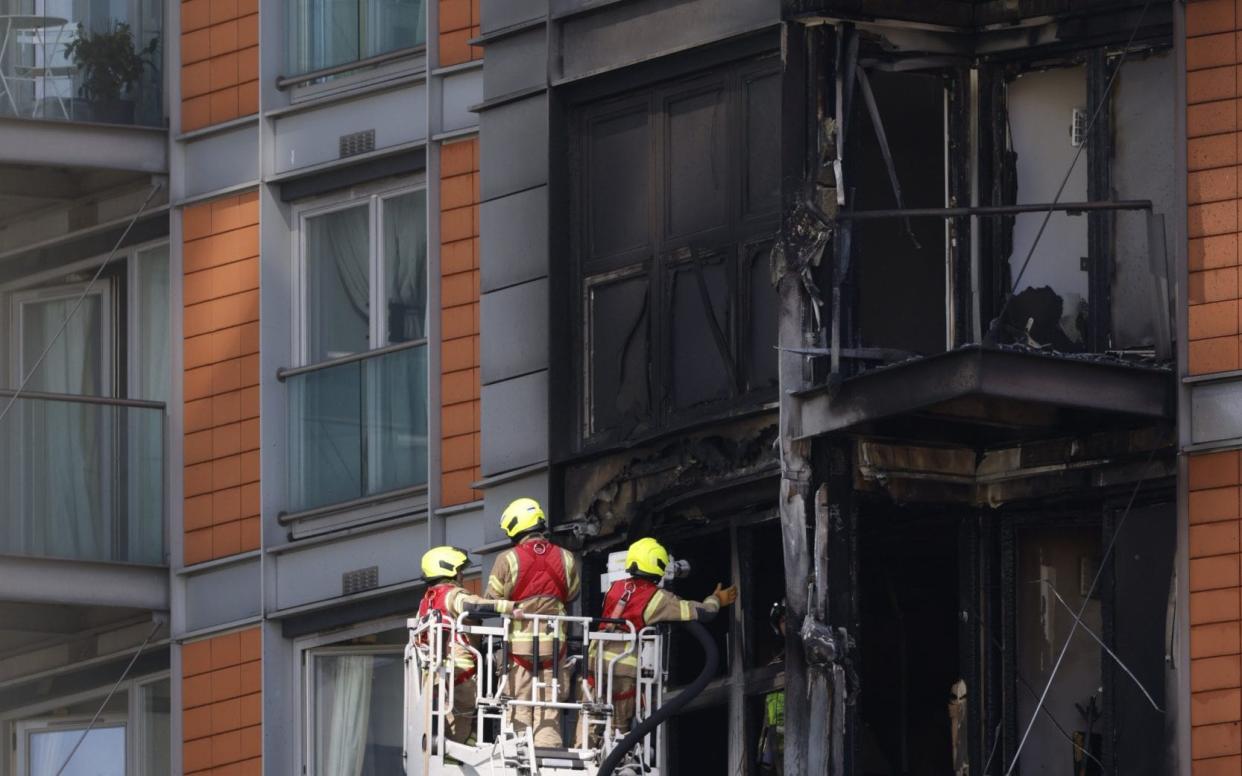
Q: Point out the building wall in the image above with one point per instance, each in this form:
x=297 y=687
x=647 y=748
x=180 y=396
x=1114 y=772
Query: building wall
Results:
x=1213 y=53
x=219 y=61
x=221 y=702
x=220 y=262
x=459 y=23
x=459 y=322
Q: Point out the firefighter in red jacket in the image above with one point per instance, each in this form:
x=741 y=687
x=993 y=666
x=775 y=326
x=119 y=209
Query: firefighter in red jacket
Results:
x=442 y=568
x=640 y=600
x=543 y=579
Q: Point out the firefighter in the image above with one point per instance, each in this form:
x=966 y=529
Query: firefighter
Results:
x=543 y=579
x=442 y=569
x=772 y=738
x=640 y=600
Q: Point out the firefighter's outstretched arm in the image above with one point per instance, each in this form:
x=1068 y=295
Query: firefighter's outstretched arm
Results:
x=669 y=607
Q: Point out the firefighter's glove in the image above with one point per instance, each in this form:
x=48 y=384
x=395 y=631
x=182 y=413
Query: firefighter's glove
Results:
x=725 y=595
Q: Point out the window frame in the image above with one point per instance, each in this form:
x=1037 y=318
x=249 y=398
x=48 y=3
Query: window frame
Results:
x=373 y=197
x=660 y=253
x=20 y=722
x=306 y=85
x=306 y=650
x=126 y=347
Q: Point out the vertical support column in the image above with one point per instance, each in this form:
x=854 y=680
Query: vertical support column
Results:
x=220 y=261
x=221 y=700
x=459 y=322
x=1212 y=480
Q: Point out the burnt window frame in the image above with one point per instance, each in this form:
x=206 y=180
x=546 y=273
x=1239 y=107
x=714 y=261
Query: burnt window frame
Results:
x=742 y=239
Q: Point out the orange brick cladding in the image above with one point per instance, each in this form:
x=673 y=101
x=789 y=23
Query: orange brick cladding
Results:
x=460 y=461
x=459 y=22
x=219 y=61
x=221 y=705
x=220 y=258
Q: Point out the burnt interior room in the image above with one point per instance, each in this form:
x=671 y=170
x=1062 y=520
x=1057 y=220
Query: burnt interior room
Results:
x=901 y=263
x=908 y=591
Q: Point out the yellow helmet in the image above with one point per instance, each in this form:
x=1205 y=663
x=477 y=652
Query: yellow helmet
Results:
x=444 y=562
x=646 y=556
x=521 y=516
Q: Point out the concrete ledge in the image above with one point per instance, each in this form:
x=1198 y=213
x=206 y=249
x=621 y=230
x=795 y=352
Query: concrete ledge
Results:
x=83 y=583
x=73 y=144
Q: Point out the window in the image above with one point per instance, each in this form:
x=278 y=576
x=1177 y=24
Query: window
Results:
x=93 y=489
x=359 y=410
x=129 y=738
x=327 y=33
x=677 y=199
x=353 y=710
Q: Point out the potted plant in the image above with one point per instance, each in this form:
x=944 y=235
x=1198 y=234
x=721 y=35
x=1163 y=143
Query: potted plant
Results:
x=109 y=65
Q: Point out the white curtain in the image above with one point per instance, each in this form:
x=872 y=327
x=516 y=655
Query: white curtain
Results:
x=66 y=508
x=338 y=267
x=343 y=713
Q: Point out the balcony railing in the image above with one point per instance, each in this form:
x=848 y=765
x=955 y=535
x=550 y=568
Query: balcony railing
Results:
x=82 y=478
x=357 y=427
x=70 y=61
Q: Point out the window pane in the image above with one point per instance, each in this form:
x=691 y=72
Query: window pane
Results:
x=700 y=371
x=325 y=436
x=155 y=731
x=338 y=284
x=405 y=260
x=618 y=349
x=102 y=752
x=763 y=149
x=357 y=714
x=397 y=417
x=619 y=152
x=152 y=335
x=326 y=33
x=697 y=171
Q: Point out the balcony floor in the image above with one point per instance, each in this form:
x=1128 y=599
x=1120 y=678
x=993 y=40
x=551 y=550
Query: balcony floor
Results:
x=984 y=397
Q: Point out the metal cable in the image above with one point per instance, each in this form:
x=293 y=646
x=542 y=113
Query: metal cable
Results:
x=108 y=697
x=78 y=303
x=1099 y=572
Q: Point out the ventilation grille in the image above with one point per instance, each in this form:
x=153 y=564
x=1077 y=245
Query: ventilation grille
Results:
x=357 y=143
x=359 y=579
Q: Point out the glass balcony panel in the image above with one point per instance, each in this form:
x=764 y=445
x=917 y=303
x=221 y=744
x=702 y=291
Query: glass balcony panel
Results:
x=82 y=480
x=71 y=61
x=358 y=429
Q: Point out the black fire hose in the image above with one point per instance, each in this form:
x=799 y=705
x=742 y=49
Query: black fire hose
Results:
x=658 y=716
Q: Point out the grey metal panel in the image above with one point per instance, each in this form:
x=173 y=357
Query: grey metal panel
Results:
x=514 y=331
x=459 y=91
x=498 y=14
x=515 y=414
x=1215 y=412
x=638 y=31
x=222 y=594
x=514 y=148
x=221 y=160
x=66 y=144
x=312 y=136
x=84 y=583
x=467 y=529
x=516 y=62
x=497 y=497
x=314 y=573
x=513 y=239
